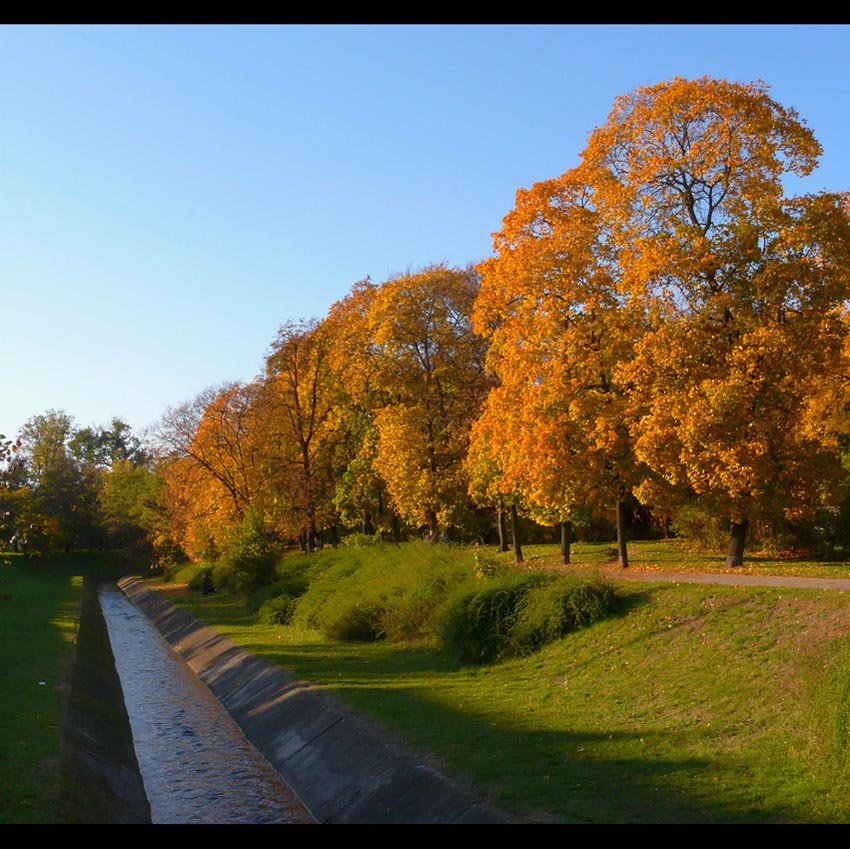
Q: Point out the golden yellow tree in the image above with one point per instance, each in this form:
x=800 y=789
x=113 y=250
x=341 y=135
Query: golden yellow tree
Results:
x=427 y=366
x=672 y=310
x=360 y=493
x=741 y=291
x=550 y=308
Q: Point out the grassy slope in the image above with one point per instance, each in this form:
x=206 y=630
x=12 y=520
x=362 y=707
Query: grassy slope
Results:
x=697 y=704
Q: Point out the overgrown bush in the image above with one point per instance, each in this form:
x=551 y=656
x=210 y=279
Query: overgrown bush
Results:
x=191 y=574
x=358 y=540
x=413 y=614
x=357 y=622
x=519 y=613
x=259 y=597
x=381 y=592
x=556 y=607
x=292 y=580
x=477 y=624
x=277 y=610
x=251 y=555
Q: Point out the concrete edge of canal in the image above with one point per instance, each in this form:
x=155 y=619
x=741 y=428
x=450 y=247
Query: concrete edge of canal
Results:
x=340 y=765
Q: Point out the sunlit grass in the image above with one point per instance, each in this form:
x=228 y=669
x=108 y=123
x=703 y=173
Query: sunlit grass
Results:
x=678 y=555
x=37 y=626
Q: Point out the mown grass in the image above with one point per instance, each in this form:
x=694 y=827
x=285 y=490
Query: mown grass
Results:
x=694 y=704
x=38 y=622
x=676 y=554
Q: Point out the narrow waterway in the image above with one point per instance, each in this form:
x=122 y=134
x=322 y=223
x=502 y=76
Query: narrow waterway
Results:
x=196 y=764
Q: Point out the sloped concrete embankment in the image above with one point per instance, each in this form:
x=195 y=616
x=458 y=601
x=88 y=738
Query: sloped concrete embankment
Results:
x=338 y=762
x=99 y=778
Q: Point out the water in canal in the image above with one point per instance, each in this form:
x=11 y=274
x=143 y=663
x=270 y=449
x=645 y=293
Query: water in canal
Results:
x=196 y=764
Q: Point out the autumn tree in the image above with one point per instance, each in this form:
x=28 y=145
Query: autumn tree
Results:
x=299 y=397
x=672 y=309
x=202 y=490
x=429 y=365
x=558 y=330
x=360 y=493
x=741 y=291
x=489 y=462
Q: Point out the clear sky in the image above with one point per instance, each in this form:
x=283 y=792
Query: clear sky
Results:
x=170 y=195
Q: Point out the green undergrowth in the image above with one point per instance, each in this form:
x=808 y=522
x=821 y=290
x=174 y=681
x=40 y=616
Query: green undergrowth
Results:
x=677 y=704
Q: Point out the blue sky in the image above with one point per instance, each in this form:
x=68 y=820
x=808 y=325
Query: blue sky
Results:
x=171 y=195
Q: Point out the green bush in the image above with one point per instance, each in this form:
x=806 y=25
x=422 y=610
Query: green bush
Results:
x=277 y=610
x=293 y=574
x=358 y=540
x=292 y=580
x=259 y=597
x=556 y=607
x=413 y=614
x=381 y=591
x=356 y=622
x=192 y=574
x=477 y=624
x=251 y=555
x=518 y=614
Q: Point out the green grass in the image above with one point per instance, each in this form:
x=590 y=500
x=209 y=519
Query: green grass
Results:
x=696 y=704
x=676 y=555
x=38 y=620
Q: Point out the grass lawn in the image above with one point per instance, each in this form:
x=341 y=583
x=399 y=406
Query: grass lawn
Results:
x=38 y=622
x=696 y=704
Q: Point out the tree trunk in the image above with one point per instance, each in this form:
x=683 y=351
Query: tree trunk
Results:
x=566 y=538
x=737 y=536
x=433 y=530
x=622 y=549
x=394 y=527
x=503 y=529
x=515 y=534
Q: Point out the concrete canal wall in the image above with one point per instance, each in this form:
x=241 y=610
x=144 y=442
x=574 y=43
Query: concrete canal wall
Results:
x=338 y=762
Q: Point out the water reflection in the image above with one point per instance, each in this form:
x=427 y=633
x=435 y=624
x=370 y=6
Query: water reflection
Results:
x=196 y=764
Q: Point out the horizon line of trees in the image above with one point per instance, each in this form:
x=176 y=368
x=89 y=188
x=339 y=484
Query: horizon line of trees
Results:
x=660 y=329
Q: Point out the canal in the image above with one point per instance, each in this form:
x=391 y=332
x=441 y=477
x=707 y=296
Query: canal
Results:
x=196 y=764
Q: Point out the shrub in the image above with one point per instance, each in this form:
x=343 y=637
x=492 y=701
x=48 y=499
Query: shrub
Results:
x=518 y=614
x=251 y=554
x=555 y=608
x=259 y=597
x=477 y=624
x=357 y=622
x=412 y=614
x=277 y=610
x=382 y=591
x=292 y=580
x=358 y=540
